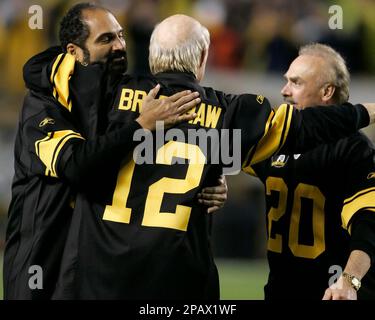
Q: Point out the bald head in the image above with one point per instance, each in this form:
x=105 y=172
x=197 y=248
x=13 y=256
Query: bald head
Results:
x=179 y=43
x=176 y=30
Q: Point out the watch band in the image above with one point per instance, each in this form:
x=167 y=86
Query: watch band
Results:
x=354 y=281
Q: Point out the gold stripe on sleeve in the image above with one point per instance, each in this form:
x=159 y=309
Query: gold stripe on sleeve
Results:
x=55 y=65
x=364 y=199
x=61 y=72
x=48 y=148
x=273 y=138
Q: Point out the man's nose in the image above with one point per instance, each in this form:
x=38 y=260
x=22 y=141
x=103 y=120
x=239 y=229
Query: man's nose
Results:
x=119 y=44
x=285 y=92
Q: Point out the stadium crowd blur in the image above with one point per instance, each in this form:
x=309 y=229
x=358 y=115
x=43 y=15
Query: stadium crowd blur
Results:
x=252 y=45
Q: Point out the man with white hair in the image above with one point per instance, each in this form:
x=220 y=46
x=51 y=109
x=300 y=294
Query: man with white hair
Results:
x=320 y=204
x=142 y=235
x=58 y=147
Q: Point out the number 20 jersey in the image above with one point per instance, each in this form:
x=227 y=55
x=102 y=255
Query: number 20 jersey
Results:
x=310 y=200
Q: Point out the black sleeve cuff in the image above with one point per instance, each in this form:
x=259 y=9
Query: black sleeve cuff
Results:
x=363 y=233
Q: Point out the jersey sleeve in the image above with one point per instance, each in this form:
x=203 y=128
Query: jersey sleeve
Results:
x=297 y=131
x=274 y=134
x=356 y=164
x=313 y=126
x=47 y=132
x=59 y=150
x=87 y=162
x=363 y=233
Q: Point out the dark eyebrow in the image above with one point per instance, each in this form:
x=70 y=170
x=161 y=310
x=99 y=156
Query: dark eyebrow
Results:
x=107 y=34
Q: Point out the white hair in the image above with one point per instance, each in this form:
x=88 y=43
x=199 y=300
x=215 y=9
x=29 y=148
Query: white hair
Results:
x=184 y=56
x=337 y=72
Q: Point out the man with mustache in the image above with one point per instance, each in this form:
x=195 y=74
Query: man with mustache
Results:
x=56 y=139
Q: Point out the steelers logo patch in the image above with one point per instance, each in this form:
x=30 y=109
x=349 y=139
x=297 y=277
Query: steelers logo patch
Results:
x=279 y=161
x=260 y=99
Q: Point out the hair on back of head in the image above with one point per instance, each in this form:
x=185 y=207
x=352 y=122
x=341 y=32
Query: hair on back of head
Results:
x=73 y=28
x=184 y=56
x=336 y=68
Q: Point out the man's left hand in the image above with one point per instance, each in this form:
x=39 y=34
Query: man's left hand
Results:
x=214 y=197
x=341 y=290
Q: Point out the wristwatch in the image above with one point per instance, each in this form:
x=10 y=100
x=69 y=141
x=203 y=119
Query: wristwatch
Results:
x=354 y=281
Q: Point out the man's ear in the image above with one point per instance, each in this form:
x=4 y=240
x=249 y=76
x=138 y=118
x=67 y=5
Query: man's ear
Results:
x=72 y=49
x=76 y=51
x=202 y=65
x=328 y=92
x=203 y=57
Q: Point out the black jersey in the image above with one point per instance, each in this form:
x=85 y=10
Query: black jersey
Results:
x=51 y=156
x=42 y=202
x=140 y=232
x=311 y=199
x=41 y=205
x=156 y=235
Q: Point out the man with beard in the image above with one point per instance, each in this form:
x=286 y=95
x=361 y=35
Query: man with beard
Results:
x=56 y=138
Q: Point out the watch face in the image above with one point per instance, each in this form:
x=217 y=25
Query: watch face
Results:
x=356 y=282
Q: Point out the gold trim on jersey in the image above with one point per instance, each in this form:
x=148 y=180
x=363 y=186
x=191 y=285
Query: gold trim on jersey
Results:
x=48 y=148
x=276 y=132
x=278 y=164
x=62 y=70
x=249 y=170
x=363 y=199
